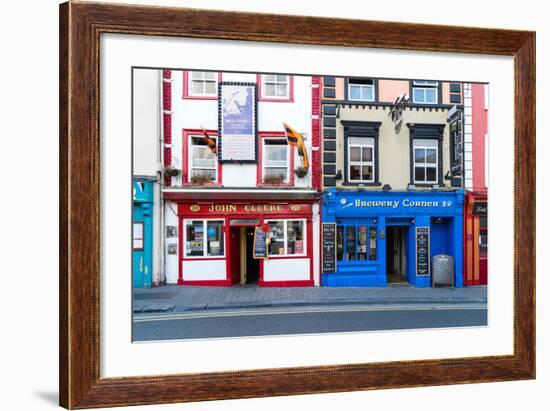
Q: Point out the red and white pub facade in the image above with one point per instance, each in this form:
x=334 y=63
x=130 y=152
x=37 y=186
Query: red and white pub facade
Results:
x=215 y=199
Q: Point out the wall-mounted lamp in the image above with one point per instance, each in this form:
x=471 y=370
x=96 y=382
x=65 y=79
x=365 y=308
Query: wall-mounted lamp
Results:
x=386 y=187
x=411 y=187
x=338 y=175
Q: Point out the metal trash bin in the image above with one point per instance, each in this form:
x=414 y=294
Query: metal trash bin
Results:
x=443 y=270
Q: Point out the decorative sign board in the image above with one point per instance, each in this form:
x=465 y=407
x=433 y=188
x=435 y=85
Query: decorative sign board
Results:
x=237 y=122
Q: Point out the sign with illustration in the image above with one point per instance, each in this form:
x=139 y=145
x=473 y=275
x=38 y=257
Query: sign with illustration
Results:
x=422 y=250
x=260 y=243
x=237 y=122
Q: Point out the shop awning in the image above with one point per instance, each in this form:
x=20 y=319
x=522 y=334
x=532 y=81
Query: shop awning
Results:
x=239 y=194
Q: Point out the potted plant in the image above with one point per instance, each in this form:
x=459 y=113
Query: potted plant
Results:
x=201 y=179
x=274 y=179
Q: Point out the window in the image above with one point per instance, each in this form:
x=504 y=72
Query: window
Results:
x=276 y=86
x=203 y=83
x=356 y=242
x=361 y=89
x=275 y=160
x=425 y=92
x=138 y=236
x=425 y=157
x=287 y=237
x=455 y=95
x=204 y=238
x=360 y=160
x=203 y=163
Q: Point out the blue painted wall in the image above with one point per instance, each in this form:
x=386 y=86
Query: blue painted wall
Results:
x=142 y=211
x=441 y=211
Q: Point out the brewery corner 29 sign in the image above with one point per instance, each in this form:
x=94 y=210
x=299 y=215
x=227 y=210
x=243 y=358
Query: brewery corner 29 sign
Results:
x=237 y=122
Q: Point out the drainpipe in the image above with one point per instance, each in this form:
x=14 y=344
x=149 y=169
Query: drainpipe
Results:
x=160 y=180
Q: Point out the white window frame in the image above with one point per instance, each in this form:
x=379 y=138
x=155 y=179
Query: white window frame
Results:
x=190 y=157
x=285 y=231
x=425 y=85
x=351 y=83
x=425 y=164
x=205 y=242
x=361 y=163
x=275 y=82
x=264 y=157
x=190 y=84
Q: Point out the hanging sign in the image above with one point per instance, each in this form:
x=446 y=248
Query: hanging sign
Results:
x=329 y=248
x=237 y=122
x=260 y=243
x=422 y=251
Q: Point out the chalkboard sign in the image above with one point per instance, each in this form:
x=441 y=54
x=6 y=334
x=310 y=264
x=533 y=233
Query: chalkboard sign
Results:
x=329 y=248
x=422 y=251
x=260 y=243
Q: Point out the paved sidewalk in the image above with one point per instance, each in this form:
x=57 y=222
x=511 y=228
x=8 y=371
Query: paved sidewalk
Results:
x=174 y=298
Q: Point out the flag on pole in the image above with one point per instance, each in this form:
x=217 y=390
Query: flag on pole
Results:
x=295 y=139
x=209 y=142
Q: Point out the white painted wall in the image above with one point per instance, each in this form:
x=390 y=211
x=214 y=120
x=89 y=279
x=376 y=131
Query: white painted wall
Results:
x=316 y=221
x=146 y=107
x=203 y=270
x=196 y=113
x=171 y=260
x=286 y=269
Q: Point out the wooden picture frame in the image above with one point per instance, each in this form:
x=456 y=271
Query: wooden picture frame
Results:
x=80 y=27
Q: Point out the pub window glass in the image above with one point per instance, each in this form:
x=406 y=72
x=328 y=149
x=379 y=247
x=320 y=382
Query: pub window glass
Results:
x=362 y=243
x=340 y=243
x=372 y=243
x=194 y=235
x=295 y=237
x=214 y=231
x=350 y=243
x=277 y=237
x=483 y=235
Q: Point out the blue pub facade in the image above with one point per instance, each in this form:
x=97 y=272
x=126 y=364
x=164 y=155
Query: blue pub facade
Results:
x=142 y=234
x=384 y=237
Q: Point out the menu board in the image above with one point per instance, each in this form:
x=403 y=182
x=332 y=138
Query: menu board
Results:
x=329 y=248
x=260 y=243
x=422 y=250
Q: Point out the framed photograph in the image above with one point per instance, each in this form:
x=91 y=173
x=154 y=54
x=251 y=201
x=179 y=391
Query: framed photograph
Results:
x=247 y=201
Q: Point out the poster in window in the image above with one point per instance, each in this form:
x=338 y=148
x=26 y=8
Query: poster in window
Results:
x=237 y=122
x=260 y=243
x=422 y=251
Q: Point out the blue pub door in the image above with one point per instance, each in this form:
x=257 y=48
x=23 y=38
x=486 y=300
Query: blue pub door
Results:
x=142 y=235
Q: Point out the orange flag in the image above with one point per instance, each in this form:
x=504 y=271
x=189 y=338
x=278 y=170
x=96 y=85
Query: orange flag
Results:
x=295 y=139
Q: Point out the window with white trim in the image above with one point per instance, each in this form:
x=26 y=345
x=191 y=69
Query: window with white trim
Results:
x=361 y=89
x=275 y=159
x=425 y=92
x=275 y=86
x=203 y=163
x=287 y=237
x=138 y=234
x=360 y=159
x=425 y=158
x=204 y=238
x=203 y=83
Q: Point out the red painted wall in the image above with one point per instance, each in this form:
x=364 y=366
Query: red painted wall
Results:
x=479 y=130
x=316 y=132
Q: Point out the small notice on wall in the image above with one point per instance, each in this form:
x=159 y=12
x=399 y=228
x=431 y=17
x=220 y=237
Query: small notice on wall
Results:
x=422 y=250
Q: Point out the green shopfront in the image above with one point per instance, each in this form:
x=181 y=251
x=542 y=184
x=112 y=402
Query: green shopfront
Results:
x=376 y=238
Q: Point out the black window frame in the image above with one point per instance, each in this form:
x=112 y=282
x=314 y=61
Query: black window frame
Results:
x=423 y=131
x=366 y=129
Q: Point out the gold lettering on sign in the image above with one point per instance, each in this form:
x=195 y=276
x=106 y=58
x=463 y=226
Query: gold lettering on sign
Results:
x=223 y=208
x=295 y=207
x=195 y=207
